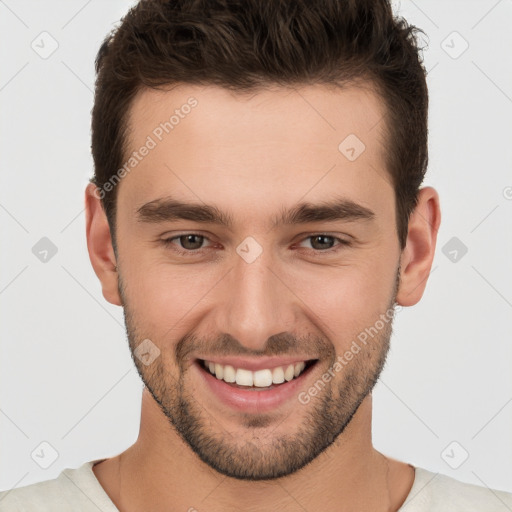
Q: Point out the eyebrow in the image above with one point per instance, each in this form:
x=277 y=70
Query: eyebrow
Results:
x=168 y=209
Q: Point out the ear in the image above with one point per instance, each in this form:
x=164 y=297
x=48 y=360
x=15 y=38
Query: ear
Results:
x=99 y=245
x=418 y=254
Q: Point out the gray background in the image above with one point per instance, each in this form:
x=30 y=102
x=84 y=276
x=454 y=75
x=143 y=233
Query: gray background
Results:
x=66 y=374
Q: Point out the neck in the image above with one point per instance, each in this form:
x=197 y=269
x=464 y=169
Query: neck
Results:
x=160 y=472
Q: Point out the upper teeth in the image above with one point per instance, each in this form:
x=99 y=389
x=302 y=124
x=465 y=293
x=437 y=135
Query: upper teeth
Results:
x=259 y=378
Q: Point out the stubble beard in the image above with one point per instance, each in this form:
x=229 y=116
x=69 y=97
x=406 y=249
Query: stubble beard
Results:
x=262 y=454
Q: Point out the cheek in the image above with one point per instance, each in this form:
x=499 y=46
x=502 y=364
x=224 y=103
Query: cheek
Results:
x=166 y=297
x=349 y=299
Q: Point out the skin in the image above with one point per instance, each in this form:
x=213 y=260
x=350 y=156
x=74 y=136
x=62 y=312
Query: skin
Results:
x=253 y=156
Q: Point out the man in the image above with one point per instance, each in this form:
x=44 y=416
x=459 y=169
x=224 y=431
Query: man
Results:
x=256 y=208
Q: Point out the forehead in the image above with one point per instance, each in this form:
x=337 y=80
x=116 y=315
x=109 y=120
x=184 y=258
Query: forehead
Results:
x=212 y=143
x=317 y=115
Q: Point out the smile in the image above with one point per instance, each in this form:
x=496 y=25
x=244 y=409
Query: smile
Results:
x=263 y=378
x=254 y=391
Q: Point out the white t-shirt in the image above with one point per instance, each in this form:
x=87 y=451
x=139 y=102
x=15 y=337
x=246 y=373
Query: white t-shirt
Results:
x=79 y=490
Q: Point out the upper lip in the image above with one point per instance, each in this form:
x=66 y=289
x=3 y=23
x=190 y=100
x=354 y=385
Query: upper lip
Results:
x=260 y=363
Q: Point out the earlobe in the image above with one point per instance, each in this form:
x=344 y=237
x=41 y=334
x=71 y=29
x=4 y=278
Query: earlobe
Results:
x=418 y=254
x=99 y=245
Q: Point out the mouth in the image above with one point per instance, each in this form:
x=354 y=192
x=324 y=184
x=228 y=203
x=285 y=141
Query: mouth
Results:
x=260 y=380
x=255 y=391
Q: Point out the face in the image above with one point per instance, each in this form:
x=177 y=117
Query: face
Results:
x=248 y=237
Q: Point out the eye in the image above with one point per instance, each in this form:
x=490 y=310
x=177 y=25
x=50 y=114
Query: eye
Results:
x=325 y=243
x=186 y=243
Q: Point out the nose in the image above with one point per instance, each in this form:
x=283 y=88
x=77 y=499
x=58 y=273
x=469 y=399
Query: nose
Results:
x=257 y=303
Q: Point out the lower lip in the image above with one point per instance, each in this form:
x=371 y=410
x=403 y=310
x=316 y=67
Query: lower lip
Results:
x=250 y=400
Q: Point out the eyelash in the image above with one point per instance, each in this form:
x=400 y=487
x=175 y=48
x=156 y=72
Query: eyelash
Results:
x=168 y=242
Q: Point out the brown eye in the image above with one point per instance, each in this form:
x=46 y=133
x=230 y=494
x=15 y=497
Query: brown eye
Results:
x=191 y=242
x=320 y=242
x=323 y=243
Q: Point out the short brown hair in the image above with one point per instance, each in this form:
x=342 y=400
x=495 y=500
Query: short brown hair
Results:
x=246 y=45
